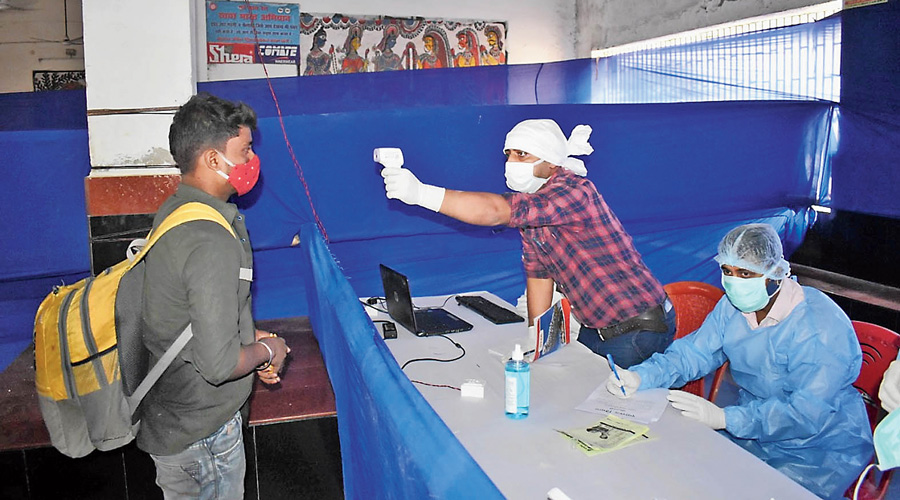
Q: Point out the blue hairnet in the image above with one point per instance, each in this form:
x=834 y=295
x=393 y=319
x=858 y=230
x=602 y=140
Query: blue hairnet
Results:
x=754 y=247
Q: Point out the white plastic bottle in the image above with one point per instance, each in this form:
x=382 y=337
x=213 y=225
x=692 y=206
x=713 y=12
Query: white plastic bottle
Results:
x=518 y=385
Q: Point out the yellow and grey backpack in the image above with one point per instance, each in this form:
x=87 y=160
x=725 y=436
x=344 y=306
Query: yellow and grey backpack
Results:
x=90 y=363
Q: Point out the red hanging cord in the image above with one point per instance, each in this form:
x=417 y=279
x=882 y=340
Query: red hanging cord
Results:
x=287 y=141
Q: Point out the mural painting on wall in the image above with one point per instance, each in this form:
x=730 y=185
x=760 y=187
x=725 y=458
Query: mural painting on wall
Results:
x=852 y=4
x=233 y=30
x=332 y=44
x=57 y=80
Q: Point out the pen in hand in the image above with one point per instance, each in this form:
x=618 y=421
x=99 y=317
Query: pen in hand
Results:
x=612 y=366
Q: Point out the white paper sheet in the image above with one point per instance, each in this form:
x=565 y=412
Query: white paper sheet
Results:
x=643 y=407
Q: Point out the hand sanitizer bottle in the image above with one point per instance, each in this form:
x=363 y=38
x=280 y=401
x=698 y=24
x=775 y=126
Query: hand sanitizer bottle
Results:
x=518 y=385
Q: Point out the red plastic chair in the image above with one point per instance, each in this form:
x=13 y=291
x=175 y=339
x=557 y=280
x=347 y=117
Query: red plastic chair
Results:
x=880 y=346
x=693 y=301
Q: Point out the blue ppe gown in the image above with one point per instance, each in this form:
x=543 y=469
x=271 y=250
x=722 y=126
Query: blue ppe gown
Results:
x=796 y=408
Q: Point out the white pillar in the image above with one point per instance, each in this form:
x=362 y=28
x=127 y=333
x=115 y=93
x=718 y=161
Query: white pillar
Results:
x=137 y=56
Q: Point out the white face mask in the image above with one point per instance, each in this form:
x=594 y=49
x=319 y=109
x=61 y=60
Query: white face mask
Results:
x=520 y=177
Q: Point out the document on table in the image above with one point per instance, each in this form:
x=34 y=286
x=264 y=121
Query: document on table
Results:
x=609 y=434
x=643 y=407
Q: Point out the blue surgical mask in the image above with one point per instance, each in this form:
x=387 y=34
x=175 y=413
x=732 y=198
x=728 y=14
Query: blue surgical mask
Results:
x=747 y=294
x=887 y=441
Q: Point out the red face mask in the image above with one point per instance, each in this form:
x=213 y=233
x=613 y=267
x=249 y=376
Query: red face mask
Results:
x=242 y=177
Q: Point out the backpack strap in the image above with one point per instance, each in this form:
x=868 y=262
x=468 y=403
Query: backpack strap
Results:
x=185 y=213
x=188 y=212
x=144 y=387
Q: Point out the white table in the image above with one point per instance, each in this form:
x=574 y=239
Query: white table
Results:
x=526 y=458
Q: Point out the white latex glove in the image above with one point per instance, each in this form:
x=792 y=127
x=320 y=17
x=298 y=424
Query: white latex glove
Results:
x=889 y=392
x=630 y=382
x=522 y=309
x=401 y=184
x=522 y=306
x=698 y=408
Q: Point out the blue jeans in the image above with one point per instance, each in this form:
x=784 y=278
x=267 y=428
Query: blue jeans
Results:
x=211 y=468
x=633 y=347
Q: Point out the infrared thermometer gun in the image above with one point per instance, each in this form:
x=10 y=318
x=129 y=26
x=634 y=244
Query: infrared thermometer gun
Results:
x=389 y=157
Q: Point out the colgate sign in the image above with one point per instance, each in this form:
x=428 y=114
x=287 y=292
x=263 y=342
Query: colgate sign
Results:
x=229 y=53
x=278 y=54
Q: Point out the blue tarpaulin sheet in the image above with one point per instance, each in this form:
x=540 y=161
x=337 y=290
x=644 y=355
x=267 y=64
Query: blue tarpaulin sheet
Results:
x=393 y=444
x=676 y=193
x=866 y=177
x=45 y=230
x=676 y=198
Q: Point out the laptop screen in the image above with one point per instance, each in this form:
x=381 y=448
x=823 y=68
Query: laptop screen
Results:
x=397 y=297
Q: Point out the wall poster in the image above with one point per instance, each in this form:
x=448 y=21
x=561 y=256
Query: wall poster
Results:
x=332 y=44
x=230 y=37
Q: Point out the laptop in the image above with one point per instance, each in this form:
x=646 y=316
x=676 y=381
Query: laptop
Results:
x=422 y=322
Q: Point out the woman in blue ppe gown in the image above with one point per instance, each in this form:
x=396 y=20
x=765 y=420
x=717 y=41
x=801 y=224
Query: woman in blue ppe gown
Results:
x=793 y=359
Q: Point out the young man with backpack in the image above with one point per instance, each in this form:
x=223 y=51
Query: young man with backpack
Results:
x=199 y=274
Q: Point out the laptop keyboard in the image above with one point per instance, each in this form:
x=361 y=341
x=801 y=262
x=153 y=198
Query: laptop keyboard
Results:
x=426 y=322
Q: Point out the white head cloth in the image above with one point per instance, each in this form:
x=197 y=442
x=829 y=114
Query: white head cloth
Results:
x=544 y=139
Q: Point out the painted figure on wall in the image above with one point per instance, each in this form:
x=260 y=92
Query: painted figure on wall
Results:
x=410 y=57
x=318 y=62
x=385 y=58
x=493 y=55
x=468 y=43
x=353 y=62
x=333 y=44
x=434 y=43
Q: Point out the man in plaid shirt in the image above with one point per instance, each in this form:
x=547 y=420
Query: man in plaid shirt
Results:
x=570 y=240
